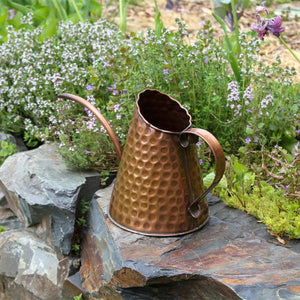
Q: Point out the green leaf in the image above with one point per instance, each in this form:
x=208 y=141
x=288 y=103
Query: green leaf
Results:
x=249 y=179
x=231 y=57
x=208 y=179
x=49 y=27
x=22 y=8
x=238 y=168
x=249 y=131
x=41 y=13
x=260 y=125
x=158 y=22
x=221 y=12
x=242 y=150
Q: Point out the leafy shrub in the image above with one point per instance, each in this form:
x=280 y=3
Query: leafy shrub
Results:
x=243 y=190
x=97 y=61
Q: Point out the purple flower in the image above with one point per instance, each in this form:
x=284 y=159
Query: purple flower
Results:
x=298 y=132
x=87 y=152
x=274 y=25
x=200 y=161
x=89 y=87
x=105 y=64
x=115 y=92
x=261 y=8
x=166 y=71
x=86 y=110
x=260 y=28
x=287 y=187
x=11 y=14
x=205 y=60
x=247 y=140
x=199 y=143
x=264 y=26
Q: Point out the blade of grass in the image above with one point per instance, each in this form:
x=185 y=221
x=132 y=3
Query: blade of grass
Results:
x=77 y=11
x=86 y=9
x=123 y=9
x=231 y=57
x=236 y=25
x=158 y=22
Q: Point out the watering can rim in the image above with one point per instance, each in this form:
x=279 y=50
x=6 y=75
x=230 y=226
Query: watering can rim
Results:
x=171 y=98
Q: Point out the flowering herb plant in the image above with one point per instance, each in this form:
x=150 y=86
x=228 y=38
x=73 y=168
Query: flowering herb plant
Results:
x=251 y=113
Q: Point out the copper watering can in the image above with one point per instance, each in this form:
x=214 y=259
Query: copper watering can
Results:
x=159 y=189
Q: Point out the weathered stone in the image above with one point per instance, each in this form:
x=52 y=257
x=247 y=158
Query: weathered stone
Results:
x=233 y=257
x=8 y=219
x=30 y=269
x=2 y=198
x=40 y=188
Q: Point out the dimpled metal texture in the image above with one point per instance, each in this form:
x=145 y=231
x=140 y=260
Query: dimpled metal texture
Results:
x=151 y=194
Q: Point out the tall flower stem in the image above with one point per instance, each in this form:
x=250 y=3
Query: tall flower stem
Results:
x=287 y=47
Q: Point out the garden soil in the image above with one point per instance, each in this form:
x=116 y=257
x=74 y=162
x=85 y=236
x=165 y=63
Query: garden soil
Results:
x=194 y=12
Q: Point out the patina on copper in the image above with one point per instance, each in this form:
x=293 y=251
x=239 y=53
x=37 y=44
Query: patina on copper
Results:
x=159 y=188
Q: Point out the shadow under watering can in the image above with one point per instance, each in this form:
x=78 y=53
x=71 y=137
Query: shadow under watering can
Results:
x=159 y=188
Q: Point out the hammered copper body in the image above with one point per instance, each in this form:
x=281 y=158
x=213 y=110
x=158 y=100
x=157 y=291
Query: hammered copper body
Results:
x=159 y=188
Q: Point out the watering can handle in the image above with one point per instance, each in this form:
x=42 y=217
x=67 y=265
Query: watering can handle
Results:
x=217 y=150
x=99 y=116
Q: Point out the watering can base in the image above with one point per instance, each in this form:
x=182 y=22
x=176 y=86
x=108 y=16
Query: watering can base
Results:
x=203 y=223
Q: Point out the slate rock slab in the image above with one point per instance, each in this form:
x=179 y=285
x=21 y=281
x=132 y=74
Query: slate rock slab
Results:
x=39 y=188
x=30 y=269
x=233 y=257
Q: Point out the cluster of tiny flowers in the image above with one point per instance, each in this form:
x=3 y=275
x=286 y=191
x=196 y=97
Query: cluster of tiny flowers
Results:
x=265 y=103
x=27 y=19
x=248 y=97
x=233 y=98
x=33 y=73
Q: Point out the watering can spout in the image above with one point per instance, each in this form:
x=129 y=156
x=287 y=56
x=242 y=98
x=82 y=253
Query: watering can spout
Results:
x=99 y=116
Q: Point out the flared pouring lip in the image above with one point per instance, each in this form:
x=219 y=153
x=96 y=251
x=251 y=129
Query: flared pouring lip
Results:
x=174 y=100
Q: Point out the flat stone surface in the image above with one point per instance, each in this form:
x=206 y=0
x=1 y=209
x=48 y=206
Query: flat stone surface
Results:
x=232 y=257
x=41 y=189
x=30 y=269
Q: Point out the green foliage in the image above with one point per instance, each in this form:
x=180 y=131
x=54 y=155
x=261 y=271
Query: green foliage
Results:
x=6 y=149
x=242 y=189
x=113 y=70
x=231 y=56
x=80 y=224
x=78 y=297
x=279 y=167
x=45 y=14
x=158 y=22
x=2 y=229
